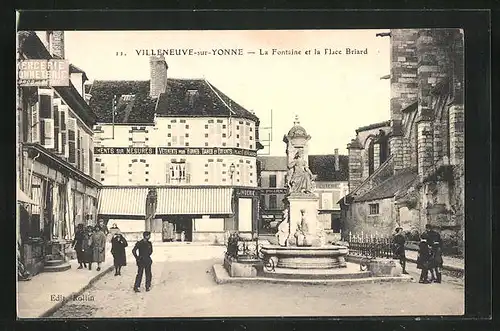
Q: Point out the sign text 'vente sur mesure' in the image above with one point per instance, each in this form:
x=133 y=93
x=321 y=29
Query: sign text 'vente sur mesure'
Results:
x=43 y=73
x=174 y=151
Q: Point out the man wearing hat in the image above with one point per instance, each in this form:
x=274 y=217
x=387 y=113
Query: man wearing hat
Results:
x=399 y=248
x=144 y=261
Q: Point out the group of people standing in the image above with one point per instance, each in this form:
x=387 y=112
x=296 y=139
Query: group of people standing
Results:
x=429 y=259
x=90 y=246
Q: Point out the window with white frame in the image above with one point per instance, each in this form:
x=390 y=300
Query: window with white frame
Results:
x=178 y=171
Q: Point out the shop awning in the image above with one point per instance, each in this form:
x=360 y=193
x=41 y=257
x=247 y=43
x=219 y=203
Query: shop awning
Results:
x=194 y=200
x=23 y=197
x=129 y=201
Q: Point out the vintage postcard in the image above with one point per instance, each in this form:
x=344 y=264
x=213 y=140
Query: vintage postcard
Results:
x=237 y=173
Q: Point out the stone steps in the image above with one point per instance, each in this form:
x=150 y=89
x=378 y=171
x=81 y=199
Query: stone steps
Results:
x=57 y=268
x=308 y=274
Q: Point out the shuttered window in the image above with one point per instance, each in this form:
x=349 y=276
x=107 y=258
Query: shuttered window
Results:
x=63 y=111
x=57 y=131
x=35 y=124
x=72 y=156
x=78 y=149
x=46 y=117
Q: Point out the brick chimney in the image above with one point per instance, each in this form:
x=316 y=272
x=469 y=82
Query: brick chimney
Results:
x=55 y=43
x=337 y=164
x=158 y=73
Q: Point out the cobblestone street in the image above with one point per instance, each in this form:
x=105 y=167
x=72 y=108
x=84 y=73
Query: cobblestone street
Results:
x=183 y=286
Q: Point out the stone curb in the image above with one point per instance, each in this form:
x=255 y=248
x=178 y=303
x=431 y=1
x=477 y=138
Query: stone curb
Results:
x=445 y=266
x=221 y=277
x=60 y=304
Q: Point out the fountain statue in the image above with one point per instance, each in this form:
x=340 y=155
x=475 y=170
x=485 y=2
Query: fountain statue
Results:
x=301 y=241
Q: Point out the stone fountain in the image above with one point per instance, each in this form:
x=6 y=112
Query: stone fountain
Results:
x=301 y=242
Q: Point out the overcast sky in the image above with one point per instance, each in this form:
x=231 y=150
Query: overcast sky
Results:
x=332 y=94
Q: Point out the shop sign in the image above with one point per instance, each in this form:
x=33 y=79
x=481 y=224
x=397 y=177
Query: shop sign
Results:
x=43 y=73
x=125 y=150
x=273 y=191
x=174 y=151
x=245 y=193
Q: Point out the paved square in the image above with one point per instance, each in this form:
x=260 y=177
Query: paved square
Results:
x=183 y=286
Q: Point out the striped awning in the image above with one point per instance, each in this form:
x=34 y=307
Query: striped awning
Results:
x=130 y=201
x=194 y=200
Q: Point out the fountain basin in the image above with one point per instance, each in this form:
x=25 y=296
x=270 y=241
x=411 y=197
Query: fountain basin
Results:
x=303 y=257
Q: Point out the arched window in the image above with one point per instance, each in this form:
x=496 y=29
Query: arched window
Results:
x=384 y=147
x=371 y=161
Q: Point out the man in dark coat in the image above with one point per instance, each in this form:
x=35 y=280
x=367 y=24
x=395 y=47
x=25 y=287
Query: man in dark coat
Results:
x=399 y=248
x=144 y=261
x=118 y=244
x=423 y=260
x=435 y=243
x=78 y=246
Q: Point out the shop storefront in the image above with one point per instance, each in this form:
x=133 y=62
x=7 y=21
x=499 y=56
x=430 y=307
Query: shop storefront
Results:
x=58 y=191
x=200 y=214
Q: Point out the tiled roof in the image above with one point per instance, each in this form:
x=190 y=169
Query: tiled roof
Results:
x=272 y=163
x=323 y=166
x=175 y=102
x=33 y=48
x=373 y=126
x=390 y=187
x=208 y=102
x=138 y=109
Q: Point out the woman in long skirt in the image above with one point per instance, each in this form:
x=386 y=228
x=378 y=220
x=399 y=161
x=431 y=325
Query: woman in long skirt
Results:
x=118 y=244
x=78 y=245
x=99 y=247
x=88 y=246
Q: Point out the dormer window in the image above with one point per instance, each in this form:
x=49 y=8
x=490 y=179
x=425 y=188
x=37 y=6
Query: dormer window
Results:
x=191 y=95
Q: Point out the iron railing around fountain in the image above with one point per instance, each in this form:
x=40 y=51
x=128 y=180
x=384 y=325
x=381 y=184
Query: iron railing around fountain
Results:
x=243 y=248
x=369 y=245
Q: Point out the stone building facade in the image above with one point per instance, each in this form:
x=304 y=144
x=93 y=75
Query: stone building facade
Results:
x=55 y=159
x=423 y=175
x=187 y=140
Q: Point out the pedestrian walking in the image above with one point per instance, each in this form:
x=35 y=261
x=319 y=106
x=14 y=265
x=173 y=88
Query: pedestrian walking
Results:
x=399 y=248
x=87 y=246
x=142 y=252
x=78 y=245
x=98 y=247
x=423 y=261
x=118 y=244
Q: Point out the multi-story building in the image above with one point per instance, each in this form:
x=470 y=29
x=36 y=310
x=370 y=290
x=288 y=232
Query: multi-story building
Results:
x=55 y=159
x=421 y=180
x=331 y=183
x=186 y=139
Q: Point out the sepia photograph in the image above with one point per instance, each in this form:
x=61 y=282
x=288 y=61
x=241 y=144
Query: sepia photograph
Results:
x=240 y=173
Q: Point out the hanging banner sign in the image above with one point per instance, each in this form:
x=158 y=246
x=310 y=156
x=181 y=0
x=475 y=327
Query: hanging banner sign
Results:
x=43 y=73
x=174 y=151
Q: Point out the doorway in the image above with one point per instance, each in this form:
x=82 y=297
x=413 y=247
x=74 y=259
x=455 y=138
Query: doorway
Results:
x=175 y=225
